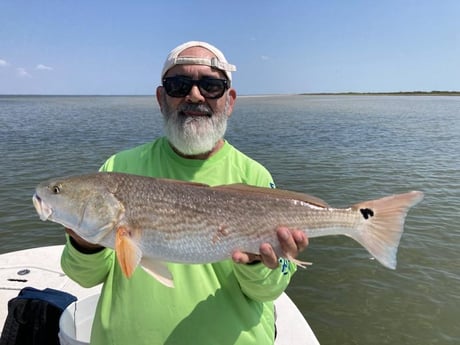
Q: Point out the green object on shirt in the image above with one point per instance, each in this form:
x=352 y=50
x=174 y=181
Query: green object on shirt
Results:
x=221 y=303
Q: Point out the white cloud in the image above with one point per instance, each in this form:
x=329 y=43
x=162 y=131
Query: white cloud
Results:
x=3 y=63
x=22 y=72
x=265 y=57
x=43 y=67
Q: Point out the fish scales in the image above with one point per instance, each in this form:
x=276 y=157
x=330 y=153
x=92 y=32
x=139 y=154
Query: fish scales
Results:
x=197 y=231
x=175 y=221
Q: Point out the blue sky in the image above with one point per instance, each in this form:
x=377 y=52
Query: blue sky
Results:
x=118 y=47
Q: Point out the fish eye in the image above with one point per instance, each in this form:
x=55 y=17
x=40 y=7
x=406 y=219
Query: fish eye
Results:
x=56 y=189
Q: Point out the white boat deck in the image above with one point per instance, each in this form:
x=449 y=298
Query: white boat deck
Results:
x=40 y=268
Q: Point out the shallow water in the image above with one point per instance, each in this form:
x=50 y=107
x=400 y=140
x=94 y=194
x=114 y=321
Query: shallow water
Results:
x=343 y=149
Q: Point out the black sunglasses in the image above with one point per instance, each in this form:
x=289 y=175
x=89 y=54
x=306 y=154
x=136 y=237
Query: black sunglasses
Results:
x=180 y=86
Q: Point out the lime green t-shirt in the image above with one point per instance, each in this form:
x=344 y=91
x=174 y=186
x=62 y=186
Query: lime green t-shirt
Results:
x=221 y=303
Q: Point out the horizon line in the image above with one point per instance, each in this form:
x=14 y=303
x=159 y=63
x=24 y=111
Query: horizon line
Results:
x=433 y=92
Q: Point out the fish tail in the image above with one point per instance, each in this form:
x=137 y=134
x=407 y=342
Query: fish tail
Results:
x=382 y=225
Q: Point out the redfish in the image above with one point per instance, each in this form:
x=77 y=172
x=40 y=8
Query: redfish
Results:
x=150 y=221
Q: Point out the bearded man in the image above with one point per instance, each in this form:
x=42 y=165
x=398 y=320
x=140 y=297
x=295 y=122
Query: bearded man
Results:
x=227 y=302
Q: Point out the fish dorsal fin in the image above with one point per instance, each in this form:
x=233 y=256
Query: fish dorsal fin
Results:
x=273 y=192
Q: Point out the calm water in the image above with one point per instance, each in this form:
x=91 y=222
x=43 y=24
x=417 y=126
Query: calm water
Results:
x=342 y=149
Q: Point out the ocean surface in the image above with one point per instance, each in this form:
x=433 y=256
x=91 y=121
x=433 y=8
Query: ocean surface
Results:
x=343 y=149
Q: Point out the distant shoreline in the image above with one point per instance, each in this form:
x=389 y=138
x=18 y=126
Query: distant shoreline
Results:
x=400 y=93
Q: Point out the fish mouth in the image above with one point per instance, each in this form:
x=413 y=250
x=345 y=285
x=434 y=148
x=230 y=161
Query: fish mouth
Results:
x=43 y=210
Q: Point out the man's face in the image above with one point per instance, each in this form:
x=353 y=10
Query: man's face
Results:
x=194 y=124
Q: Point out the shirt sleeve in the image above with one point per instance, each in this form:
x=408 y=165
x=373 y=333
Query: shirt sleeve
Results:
x=108 y=164
x=261 y=283
x=88 y=270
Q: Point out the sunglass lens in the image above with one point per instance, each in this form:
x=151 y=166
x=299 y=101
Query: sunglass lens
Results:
x=177 y=86
x=212 y=88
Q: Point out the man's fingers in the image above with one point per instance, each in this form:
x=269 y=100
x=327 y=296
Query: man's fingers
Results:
x=292 y=242
x=244 y=258
x=289 y=245
x=268 y=256
x=300 y=239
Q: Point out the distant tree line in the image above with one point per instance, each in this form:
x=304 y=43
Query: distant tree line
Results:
x=399 y=93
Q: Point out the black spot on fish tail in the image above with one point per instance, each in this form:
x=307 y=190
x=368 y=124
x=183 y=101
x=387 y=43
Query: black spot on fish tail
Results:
x=367 y=212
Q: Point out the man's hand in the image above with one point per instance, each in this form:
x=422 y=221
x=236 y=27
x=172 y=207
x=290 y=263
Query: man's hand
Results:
x=81 y=244
x=292 y=243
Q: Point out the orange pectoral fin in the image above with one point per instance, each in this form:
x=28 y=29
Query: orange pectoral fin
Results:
x=128 y=253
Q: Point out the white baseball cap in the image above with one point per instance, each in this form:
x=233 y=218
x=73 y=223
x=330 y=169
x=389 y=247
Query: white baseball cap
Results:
x=218 y=62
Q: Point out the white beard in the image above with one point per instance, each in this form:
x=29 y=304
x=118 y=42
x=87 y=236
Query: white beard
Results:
x=194 y=135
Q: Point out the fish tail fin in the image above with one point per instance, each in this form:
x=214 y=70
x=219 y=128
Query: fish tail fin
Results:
x=382 y=225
